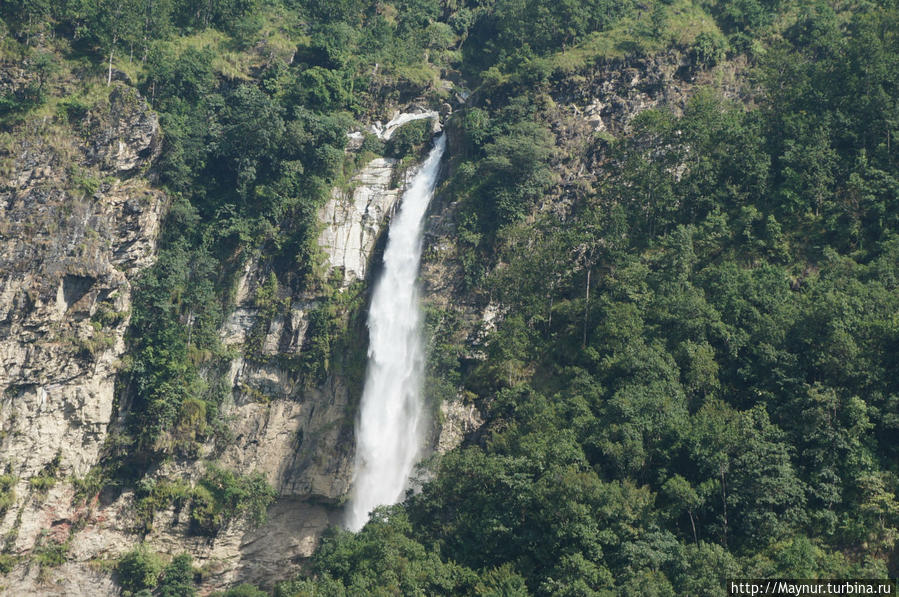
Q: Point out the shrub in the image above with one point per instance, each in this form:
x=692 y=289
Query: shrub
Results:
x=7 y=492
x=177 y=578
x=409 y=138
x=74 y=109
x=49 y=554
x=7 y=562
x=46 y=478
x=243 y=590
x=708 y=50
x=222 y=495
x=139 y=569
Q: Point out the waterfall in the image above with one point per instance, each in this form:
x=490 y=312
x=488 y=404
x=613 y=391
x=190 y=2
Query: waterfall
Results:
x=390 y=427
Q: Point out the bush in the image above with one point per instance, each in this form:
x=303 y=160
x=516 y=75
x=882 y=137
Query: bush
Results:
x=7 y=492
x=222 y=495
x=7 y=562
x=50 y=554
x=177 y=578
x=74 y=109
x=244 y=590
x=152 y=496
x=46 y=478
x=139 y=569
x=372 y=144
x=708 y=50
x=409 y=139
x=205 y=516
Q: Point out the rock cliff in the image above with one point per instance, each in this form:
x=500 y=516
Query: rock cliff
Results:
x=353 y=220
x=74 y=233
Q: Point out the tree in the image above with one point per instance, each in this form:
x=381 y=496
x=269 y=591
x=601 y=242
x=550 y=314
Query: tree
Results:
x=139 y=569
x=516 y=169
x=111 y=22
x=683 y=498
x=251 y=134
x=177 y=578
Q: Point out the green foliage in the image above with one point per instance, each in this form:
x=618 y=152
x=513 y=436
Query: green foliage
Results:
x=708 y=49
x=513 y=30
x=222 y=495
x=242 y=590
x=139 y=569
x=380 y=560
x=267 y=300
x=49 y=553
x=7 y=492
x=152 y=495
x=510 y=168
x=371 y=144
x=7 y=562
x=502 y=582
x=322 y=324
x=88 y=486
x=177 y=578
x=251 y=131
x=521 y=154
x=218 y=497
x=409 y=139
x=22 y=96
x=333 y=335
x=47 y=476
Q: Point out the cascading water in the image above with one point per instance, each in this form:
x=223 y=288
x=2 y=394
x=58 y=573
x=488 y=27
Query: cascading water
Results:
x=390 y=428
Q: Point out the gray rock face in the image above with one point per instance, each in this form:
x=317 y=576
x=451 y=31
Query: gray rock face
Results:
x=70 y=245
x=609 y=96
x=123 y=134
x=459 y=421
x=65 y=268
x=354 y=220
x=295 y=435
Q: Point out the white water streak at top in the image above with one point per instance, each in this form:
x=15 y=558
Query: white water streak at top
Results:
x=390 y=428
x=384 y=132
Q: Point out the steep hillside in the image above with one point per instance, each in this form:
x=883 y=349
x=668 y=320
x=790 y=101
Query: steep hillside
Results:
x=659 y=282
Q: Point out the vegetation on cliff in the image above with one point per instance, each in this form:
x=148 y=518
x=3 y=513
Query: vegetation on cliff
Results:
x=692 y=377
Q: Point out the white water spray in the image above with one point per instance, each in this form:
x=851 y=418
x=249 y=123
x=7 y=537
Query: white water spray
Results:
x=390 y=428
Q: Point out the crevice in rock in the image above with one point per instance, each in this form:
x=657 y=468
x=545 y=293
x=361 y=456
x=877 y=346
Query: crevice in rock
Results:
x=74 y=288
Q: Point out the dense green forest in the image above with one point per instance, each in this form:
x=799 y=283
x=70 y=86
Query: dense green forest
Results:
x=695 y=374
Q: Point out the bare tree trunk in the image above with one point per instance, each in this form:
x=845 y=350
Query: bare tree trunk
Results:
x=724 y=504
x=693 y=524
x=111 y=52
x=586 y=310
x=549 y=322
